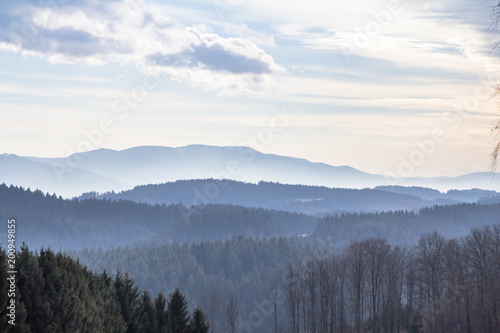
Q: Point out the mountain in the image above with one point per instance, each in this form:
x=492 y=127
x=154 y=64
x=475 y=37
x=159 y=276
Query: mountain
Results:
x=54 y=178
x=109 y=170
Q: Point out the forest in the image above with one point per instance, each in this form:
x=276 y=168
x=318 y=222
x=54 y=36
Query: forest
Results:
x=75 y=224
x=247 y=269
x=104 y=223
x=55 y=293
x=312 y=200
x=283 y=285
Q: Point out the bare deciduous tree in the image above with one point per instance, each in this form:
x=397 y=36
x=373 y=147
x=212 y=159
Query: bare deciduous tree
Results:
x=210 y=304
x=232 y=312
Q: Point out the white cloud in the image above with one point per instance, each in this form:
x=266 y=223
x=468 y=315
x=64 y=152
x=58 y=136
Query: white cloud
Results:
x=445 y=35
x=128 y=31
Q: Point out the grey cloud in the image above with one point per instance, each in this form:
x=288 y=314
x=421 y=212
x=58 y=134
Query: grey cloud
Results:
x=213 y=57
x=217 y=58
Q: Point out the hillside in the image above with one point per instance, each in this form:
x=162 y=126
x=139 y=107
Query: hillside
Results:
x=293 y=198
x=403 y=227
x=55 y=293
x=313 y=200
x=46 y=220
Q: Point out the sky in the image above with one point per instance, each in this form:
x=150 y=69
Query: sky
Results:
x=379 y=85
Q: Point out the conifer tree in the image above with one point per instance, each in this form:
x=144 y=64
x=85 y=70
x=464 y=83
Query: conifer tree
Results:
x=177 y=313
x=30 y=283
x=161 y=313
x=22 y=325
x=127 y=294
x=198 y=322
x=148 y=320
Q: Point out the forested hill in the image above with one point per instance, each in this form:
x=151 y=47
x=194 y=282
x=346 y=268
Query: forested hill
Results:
x=46 y=220
x=403 y=227
x=55 y=293
x=294 y=198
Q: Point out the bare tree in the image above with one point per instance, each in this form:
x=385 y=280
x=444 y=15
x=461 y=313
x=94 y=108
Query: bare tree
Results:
x=340 y=267
x=310 y=294
x=293 y=295
x=232 y=312
x=210 y=304
x=377 y=252
x=356 y=271
x=274 y=294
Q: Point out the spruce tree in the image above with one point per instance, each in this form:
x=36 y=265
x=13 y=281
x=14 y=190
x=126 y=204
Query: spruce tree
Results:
x=128 y=297
x=198 y=323
x=177 y=313
x=148 y=321
x=30 y=283
x=161 y=313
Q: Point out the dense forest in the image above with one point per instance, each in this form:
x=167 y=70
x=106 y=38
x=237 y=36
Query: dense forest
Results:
x=289 y=285
x=46 y=220
x=313 y=200
x=55 y=293
x=104 y=223
x=293 y=198
x=244 y=269
x=405 y=227
x=242 y=266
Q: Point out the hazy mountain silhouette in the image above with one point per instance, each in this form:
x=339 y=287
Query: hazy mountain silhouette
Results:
x=107 y=170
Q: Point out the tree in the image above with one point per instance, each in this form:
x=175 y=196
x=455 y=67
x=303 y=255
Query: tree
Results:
x=210 y=303
x=177 y=313
x=160 y=305
x=356 y=271
x=231 y=312
x=377 y=253
x=198 y=322
x=291 y=289
x=30 y=283
x=128 y=297
x=148 y=320
x=274 y=294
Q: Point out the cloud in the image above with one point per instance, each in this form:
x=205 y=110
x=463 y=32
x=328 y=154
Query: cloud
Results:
x=126 y=31
x=233 y=55
x=447 y=35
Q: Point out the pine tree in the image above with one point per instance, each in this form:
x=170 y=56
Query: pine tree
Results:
x=177 y=313
x=111 y=317
x=160 y=305
x=22 y=325
x=148 y=320
x=30 y=284
x=198 y=323
x=127 y=294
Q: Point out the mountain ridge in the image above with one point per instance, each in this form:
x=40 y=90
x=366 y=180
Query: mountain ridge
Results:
x=117 y=170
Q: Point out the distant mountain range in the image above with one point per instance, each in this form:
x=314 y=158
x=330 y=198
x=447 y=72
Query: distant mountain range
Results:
x=109 y=170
